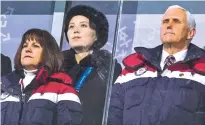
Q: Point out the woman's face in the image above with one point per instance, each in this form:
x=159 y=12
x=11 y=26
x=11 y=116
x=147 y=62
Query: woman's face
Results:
x=31 y=54
x=81 y=36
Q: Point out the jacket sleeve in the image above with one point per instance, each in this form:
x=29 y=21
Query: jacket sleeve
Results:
x=6 y=66
x=69 y=110
x=117 y=71
x=115 y=115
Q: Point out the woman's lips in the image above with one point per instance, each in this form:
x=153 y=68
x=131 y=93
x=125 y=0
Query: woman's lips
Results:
x=76 y=37
x=27 y=57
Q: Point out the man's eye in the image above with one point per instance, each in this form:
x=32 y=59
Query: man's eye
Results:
x=177 y=21
x=165 y=21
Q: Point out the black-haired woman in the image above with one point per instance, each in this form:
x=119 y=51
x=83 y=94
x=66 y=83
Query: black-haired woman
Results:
x=86 y=30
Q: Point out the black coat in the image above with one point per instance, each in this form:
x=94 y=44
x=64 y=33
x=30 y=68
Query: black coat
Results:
x=5 y=65
x=93 y=92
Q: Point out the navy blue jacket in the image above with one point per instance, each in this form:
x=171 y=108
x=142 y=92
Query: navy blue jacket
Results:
x=52 y=103
x=145 y=95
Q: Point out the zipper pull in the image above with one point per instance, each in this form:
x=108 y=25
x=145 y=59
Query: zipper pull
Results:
x=23 y=98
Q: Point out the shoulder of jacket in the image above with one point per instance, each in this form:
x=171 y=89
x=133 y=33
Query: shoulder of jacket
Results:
x=58 y=83
x=199 y=66
x=61 y=77
x=134 y=61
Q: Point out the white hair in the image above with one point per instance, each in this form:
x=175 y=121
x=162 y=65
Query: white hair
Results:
x=190 y=18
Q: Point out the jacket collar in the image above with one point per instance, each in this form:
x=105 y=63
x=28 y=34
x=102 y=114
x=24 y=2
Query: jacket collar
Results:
x=153 y=55
x=10 y=82
x=194 y=52
x=94 y=59
x=70 y=61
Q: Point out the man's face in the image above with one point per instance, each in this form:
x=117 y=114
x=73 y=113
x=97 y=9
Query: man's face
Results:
x=174 y=26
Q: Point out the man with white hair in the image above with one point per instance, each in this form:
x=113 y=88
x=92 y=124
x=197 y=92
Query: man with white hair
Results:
x=164 y=85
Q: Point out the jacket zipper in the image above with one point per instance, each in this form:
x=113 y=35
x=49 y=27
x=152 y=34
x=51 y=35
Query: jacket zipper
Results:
x=22 y=101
